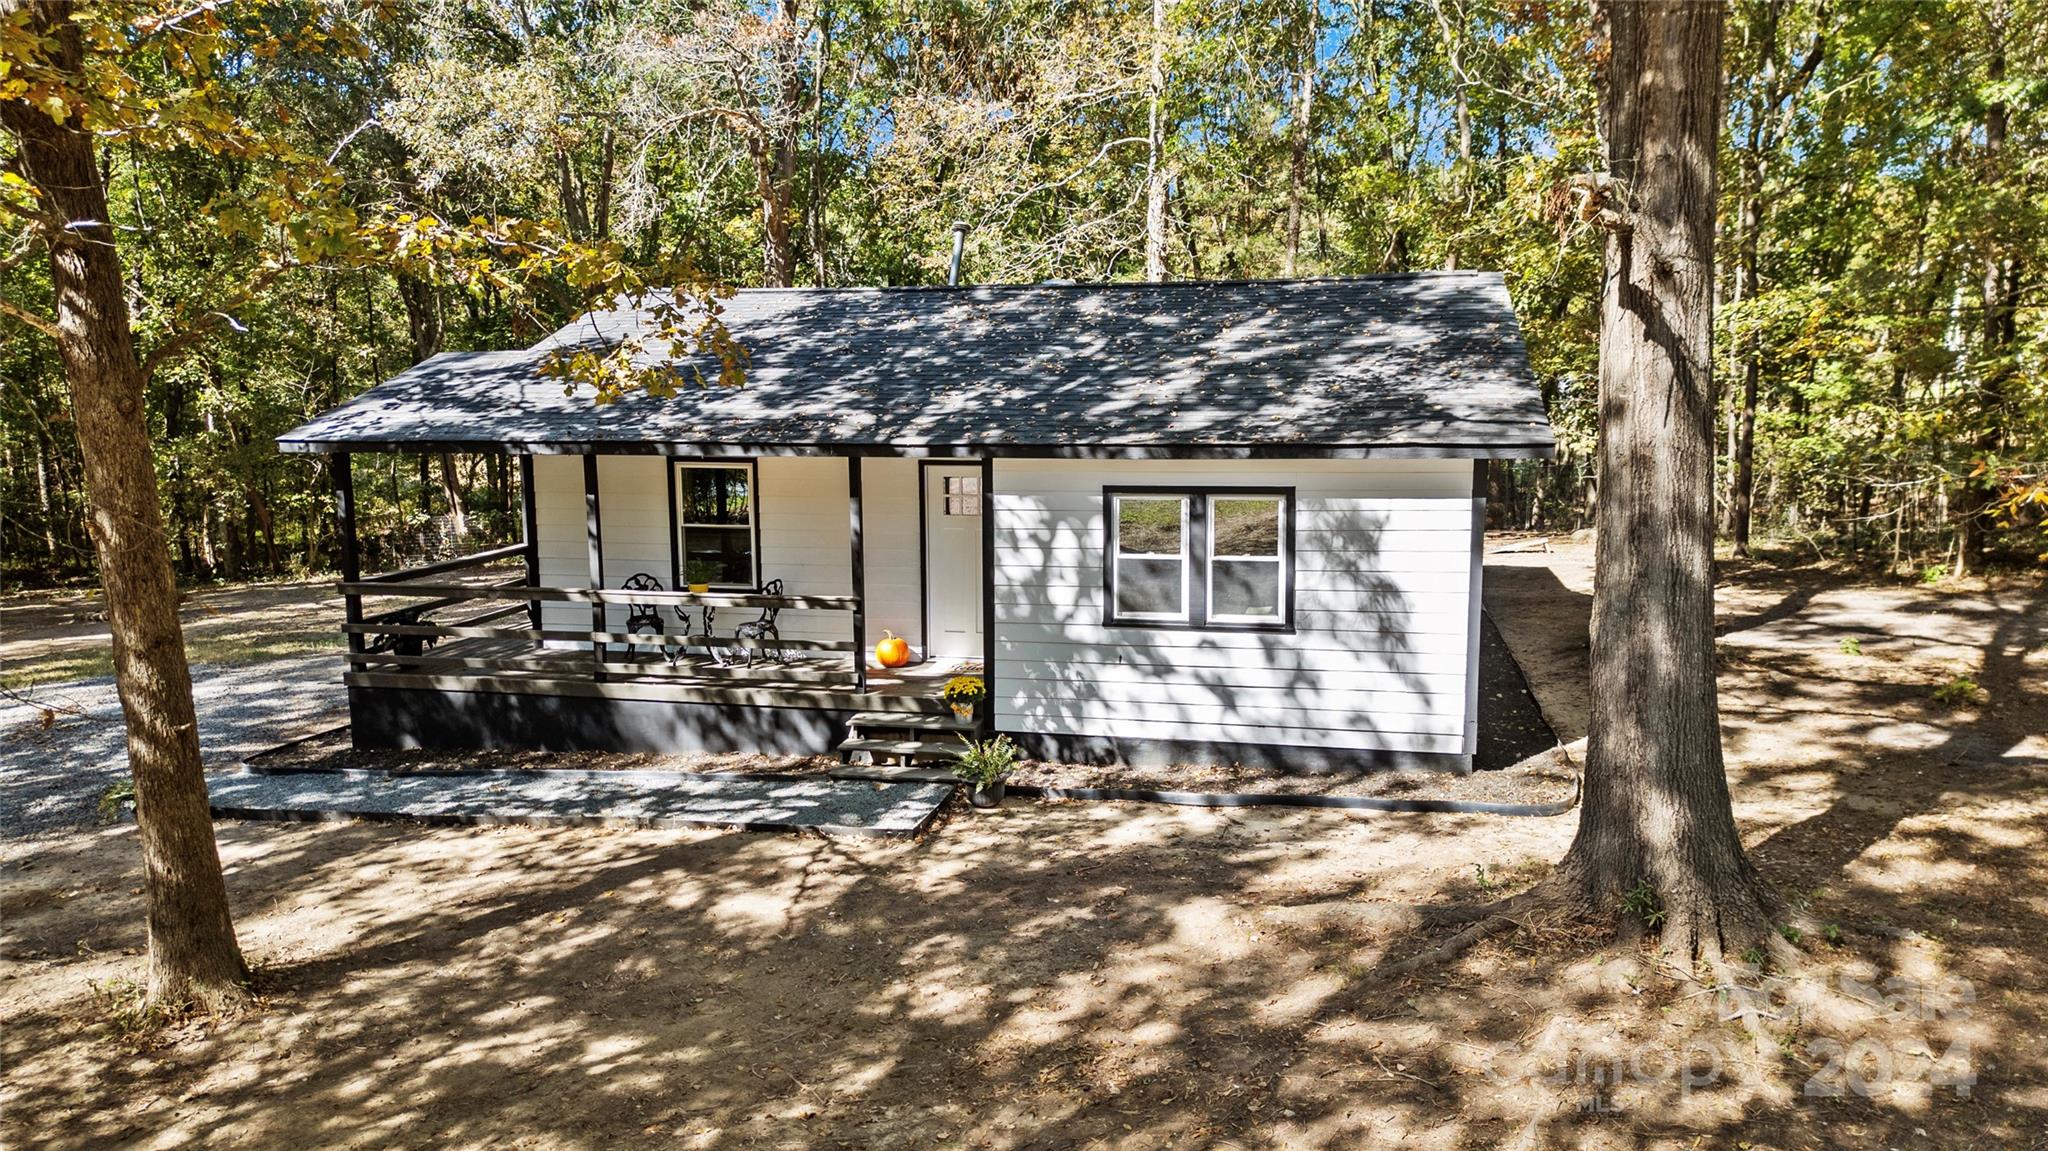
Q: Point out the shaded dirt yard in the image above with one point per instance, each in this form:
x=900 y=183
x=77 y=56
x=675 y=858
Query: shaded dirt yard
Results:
x=1123 y=976
x=58 y=637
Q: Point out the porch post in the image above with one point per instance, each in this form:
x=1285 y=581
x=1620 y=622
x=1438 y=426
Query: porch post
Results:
x=529 y=525
x=593 y=528
x=350 y=557
x=988 y=591
x=860 y=576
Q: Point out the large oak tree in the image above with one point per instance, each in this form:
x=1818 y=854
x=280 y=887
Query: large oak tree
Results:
x=82 y=76
x=1657 y=815
x=192 y=948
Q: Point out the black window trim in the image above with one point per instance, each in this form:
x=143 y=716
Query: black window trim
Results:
x=1198 y=546
x=676 y=464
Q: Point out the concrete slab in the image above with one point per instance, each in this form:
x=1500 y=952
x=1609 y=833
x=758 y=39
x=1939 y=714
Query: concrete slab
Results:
x=636 y=798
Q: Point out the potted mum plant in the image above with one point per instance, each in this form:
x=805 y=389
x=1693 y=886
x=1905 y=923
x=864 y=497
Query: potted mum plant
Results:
x=984 y=766
x=964 y=692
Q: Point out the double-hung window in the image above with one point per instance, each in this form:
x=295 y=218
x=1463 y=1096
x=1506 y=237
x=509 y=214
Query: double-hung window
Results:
x=1218 y=558
x=715 y=514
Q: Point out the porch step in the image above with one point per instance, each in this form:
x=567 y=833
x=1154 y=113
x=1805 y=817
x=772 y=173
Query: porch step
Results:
x=911 y=720
x=893 y=773
x=909 y=749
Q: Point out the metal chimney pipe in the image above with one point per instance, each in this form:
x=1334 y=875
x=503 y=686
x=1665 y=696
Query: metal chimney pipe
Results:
x=959 y=246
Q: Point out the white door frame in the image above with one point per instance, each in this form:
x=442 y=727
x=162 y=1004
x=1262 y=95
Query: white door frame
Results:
x=928 y=515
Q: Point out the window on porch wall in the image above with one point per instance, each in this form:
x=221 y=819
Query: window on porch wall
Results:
x=715 y=514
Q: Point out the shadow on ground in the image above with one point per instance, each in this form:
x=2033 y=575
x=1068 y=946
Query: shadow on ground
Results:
x=1056 y=976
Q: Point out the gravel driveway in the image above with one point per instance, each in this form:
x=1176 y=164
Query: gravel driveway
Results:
x=51 y=779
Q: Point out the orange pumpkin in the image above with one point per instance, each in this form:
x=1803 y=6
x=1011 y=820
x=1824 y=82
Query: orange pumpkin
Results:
x=892 y=651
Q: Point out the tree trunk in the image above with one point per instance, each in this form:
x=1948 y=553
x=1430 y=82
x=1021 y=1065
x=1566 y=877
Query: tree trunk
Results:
x=1742 y=489
x=423 y=316
x=1656 y=808
x=1155 y=150
x=1298 y=144
x=1999 y=297
x=774 y=153
x=192 y=948
x=451 y=491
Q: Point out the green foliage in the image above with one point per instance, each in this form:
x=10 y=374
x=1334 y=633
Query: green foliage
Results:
x=1962 y=691
x=310 y=198
x=114 y=797
x=1791 y=934
x=983 y=762
x=1487 y=883
x=1641 y=902
x=1851 y=645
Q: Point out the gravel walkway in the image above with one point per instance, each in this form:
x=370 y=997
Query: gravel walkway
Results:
x=51 y=778
x=637 y=798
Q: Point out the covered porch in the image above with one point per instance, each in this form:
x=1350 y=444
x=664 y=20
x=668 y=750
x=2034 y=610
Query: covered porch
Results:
x=518 y=646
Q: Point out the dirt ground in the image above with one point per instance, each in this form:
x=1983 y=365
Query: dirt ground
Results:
x=1056 y=975
x=58 y=637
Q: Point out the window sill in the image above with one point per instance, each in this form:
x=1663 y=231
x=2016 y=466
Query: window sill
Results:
x=1278 y=628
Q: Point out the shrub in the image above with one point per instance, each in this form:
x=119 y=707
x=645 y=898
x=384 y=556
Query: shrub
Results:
x=986 y=761
x=1958 y=692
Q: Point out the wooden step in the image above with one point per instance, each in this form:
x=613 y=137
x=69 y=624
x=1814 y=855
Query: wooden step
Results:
x=919 y=721
x=893 y=773
x=904 y=748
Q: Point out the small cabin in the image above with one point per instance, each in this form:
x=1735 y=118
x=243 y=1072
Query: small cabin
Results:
x=1188 y=522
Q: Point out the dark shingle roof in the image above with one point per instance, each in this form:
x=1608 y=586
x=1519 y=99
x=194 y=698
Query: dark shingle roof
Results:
x=1428 y=364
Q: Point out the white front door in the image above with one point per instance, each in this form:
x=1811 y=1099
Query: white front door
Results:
x=953 y=507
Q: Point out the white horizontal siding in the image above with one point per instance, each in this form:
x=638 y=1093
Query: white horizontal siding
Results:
x=563 y=545
x=1380 y=655
x=889 y=520
x=805 y=534
x=806 y=542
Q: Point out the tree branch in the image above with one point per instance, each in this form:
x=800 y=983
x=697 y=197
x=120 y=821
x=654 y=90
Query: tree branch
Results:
x=15 y=311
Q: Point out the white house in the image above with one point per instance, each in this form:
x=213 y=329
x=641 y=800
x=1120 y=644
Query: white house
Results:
x=1222 y=522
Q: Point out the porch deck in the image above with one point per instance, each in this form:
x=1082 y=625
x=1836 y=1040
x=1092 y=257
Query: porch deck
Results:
x=526 y=666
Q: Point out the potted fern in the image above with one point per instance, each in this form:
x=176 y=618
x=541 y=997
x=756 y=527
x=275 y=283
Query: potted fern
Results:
x=985 y=766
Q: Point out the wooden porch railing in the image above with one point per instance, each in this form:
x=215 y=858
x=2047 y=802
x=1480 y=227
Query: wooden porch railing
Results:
x=409 y=622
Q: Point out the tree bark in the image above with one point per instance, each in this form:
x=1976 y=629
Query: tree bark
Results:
x=192 y=950
x=774 y=152
x=1999 y=298
x=1656 y=808
x=423 y=316
x=1155 y=150
x=1299 y=138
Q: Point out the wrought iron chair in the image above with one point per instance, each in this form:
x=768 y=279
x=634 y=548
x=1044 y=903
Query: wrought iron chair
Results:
x=762 y=633
x=642 y=617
